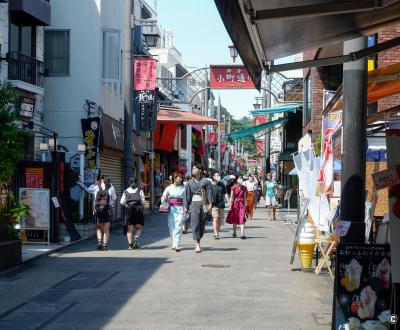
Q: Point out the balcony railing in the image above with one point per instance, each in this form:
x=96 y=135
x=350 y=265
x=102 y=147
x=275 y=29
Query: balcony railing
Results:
x=25 y=68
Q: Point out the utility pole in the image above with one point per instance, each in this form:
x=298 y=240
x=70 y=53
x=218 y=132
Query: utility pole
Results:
x=266 y=103
x=205 y=113
x=128 y=113
x=354 y=134
x=219 y=134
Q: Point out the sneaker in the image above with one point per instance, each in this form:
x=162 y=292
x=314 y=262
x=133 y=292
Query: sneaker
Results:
x=177 y=249
x=136 y=245
x=130 y=247
x=105 y=248
x=99 y=246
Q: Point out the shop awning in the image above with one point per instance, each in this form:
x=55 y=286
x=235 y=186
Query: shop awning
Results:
x=177 y=117
x=267 y=30
x=255 y=129
x=382 y=82
x=292 y=107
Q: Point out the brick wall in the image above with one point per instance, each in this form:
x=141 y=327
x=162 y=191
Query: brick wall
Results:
x=386 y=58
x=317 y=98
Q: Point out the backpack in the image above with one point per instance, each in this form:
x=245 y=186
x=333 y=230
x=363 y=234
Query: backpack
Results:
x=102 y=203
x=133 y=203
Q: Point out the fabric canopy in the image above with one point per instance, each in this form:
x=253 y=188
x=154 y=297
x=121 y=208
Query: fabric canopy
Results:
x=382 y=82
x=164 y=137
x=177 y=117
x=255 y=129
x=291 y=107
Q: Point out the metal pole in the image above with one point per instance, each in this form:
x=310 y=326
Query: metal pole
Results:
x=128 y=120
x=219 y=134
x=354 y=137
x=81 y=174
x=205 y=109
x=267 y=104
x=152 y=170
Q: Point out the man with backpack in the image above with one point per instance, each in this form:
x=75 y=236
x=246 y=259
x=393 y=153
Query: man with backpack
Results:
x=104 y=197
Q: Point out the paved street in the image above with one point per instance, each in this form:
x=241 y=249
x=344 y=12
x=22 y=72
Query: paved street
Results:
x=253 y=286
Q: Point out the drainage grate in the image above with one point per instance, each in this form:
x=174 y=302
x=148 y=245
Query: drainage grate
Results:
x=216 y=266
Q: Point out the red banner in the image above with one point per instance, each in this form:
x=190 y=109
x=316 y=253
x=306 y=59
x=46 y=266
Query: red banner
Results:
x=144 y=74
x=230 y=77
x=223 y=148
x=260 y=146
x=212 y=139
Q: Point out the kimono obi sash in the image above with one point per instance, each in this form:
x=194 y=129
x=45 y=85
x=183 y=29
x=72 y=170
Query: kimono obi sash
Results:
x=176 y=201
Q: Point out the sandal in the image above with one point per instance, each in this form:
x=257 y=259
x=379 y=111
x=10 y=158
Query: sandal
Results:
x=243 y=237
x=234 y=235
x=216 y=236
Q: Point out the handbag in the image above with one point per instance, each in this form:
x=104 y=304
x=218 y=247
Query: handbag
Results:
x=164 y=208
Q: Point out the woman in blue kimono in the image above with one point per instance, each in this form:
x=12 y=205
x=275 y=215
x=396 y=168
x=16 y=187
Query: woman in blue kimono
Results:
x=174 y=195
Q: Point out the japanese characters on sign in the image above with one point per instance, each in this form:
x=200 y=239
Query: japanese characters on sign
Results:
x=230 y=77
x=386 y=178
x=144 y=74
x=363 y=284
x=144 y=96
x=34 y=177
x=91 y=134
x=27 y=107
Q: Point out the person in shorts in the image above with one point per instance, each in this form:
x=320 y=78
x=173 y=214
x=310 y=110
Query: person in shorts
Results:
x=270 y=196
x=219 y=193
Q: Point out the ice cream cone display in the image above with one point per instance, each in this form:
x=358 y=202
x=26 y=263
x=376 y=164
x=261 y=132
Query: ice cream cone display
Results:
x=306 y=254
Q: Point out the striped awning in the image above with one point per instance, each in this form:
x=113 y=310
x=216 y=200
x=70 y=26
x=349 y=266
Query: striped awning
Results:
x=290 y=107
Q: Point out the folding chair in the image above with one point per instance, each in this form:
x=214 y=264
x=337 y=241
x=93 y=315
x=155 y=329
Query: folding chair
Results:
x=287 y=198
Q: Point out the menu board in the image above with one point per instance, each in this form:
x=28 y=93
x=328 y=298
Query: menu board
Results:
x=34 y=177
x=38 y=201
x=363 y=285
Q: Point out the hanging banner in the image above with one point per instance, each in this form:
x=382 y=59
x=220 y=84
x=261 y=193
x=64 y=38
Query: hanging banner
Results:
x=91 y=135
x=393 y=157
x=259 y=120
x=230 y=77
x=260 y=146
x=363 y=286
x=212 y=139
x=330 y=124
x=144 y=74
x=223 y=148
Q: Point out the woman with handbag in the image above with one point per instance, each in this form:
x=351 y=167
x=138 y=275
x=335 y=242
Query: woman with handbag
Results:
x=133 y=200
x=172 y=202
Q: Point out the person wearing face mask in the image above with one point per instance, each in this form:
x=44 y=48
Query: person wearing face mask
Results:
x=237 y=213
x=174 y=195
x=198 y=201
x=251 y=186
x=133 y=200
x=219 y=194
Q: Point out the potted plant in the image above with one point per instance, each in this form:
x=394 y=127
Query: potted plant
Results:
x=12 y=140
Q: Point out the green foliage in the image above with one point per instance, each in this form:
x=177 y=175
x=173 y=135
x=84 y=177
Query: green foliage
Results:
x=249 y=142
x=318 y=145
x=12 y=138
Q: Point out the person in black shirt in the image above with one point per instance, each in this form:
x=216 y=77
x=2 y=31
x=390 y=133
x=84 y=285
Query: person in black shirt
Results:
x=219 y=194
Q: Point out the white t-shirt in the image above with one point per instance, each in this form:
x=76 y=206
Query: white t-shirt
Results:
x=250 y=186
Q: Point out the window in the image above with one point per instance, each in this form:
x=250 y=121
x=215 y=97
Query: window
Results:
x=56 y=52
x=111 y=55
x=308 y=99
x=23 y=39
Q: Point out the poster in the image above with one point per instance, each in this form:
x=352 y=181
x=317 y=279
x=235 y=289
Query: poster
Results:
x=363 y=284
x=34 y=177
x=330 y=124
x=230 y=77
x=38 y=201
x=91 y=137
x=393 y=158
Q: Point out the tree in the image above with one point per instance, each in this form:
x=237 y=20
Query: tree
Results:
x=12 y=140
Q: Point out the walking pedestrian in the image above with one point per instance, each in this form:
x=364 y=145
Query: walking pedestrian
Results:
x=133 y=201
x=270 y=196
x=237 y=213
x=198 y=201
x=104 y=197
x=251 y=187
x=174 y=195
x=219 y=194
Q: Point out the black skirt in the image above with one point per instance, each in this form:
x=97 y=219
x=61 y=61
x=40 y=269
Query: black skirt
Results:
x=134 y=217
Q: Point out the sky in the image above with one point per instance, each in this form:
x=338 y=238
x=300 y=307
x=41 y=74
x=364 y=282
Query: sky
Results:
x=201 y=37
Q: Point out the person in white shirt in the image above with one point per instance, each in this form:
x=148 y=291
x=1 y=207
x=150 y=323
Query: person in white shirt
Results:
x=251 y=186
x=104 y=193
x=133 y=200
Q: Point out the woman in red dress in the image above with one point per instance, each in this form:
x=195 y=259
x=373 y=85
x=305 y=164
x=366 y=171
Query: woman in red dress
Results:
x=237 y=213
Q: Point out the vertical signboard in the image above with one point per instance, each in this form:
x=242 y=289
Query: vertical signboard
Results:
x=91 y=137
x=363 y=286
x=34 y=177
